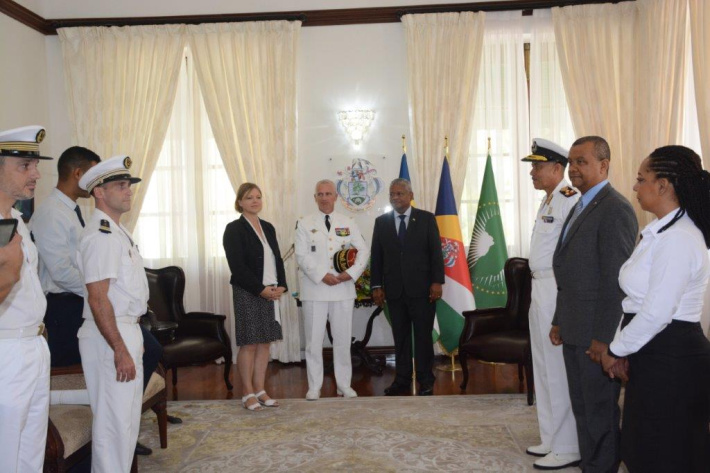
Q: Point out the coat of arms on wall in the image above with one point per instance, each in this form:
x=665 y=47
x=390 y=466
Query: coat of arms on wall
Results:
x=358 y=185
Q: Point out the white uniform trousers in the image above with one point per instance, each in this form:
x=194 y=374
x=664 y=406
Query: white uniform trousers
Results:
x=24 y=403
x=116 y=406
x=315 y=316
x=558 y=429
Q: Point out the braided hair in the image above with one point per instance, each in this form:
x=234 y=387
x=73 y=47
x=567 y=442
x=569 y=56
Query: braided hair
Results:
x=683 y=169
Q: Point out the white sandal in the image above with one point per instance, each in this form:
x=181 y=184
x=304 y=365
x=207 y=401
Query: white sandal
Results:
x=268 y=402
x=252 y=407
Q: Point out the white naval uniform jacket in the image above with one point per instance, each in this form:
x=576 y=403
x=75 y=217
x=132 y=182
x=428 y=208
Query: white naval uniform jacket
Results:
x=315 y=247
x=549 y=221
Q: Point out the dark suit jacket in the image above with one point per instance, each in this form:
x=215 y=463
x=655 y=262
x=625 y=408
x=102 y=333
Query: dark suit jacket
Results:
x=586 y=267
x=410 y=269
x=245 y=255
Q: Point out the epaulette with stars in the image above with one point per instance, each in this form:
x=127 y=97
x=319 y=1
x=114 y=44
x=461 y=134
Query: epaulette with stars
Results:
x=567 y=191
x=105 y=227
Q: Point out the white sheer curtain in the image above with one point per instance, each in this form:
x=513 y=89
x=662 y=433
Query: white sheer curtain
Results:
x=247 y=75
x=502 y=113
x=188 y=204
x=443 y=61
x=120 y=85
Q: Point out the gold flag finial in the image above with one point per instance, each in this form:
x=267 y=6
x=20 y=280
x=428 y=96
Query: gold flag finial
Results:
x=404 y=144
x=446 y=146
x=489 y=144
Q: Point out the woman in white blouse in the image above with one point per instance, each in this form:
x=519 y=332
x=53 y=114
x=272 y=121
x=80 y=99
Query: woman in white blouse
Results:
x=660 y=347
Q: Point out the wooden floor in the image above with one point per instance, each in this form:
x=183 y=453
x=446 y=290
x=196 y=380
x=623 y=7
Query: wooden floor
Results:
x=288 y=381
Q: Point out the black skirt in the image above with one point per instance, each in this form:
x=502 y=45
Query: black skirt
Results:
x=254 y=319
x=666 y=418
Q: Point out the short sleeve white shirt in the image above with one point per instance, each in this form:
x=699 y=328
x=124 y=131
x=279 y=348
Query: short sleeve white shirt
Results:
x=24 y=307
x=111 y=254
x=57 y=232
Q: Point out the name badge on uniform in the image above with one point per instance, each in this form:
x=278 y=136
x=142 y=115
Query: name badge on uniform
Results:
x=341 y=232
x=548 y=218
x=313 y=248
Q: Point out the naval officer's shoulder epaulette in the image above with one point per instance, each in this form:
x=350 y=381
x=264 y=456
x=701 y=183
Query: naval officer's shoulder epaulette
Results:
x=567 y=191
x=105 y=226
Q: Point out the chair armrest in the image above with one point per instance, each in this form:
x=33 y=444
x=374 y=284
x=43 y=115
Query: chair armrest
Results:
x=483 y=321
x=203 y=324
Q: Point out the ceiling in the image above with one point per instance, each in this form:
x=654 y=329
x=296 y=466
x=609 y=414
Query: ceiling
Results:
x=56 y=9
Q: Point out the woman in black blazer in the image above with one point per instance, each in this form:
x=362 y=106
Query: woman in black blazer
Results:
x=258 y=281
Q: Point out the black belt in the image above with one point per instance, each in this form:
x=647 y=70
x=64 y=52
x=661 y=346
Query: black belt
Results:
x=628 y=317
x=58 y=295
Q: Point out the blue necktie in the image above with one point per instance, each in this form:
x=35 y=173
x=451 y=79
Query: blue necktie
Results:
x=402 y=232
x=577 y=210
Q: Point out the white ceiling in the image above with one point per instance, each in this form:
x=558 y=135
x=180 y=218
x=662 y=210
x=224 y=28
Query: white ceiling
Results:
x=55 y=9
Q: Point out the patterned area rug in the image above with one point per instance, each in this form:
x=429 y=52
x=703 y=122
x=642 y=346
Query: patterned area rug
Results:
x=474 y=433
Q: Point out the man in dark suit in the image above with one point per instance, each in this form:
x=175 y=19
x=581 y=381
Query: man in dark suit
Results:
x=597 y=238
x=407 y=271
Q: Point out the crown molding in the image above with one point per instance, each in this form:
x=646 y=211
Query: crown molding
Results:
x=26 y=17
x=347 y=16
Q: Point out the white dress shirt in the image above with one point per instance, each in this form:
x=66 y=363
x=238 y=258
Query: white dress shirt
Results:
x=57 y=232
x=24 y=307
x=664 y=280
x=406 y=214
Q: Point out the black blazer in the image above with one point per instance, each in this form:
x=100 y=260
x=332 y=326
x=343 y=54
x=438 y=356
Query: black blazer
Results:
x=245 y=255
x=410 y=269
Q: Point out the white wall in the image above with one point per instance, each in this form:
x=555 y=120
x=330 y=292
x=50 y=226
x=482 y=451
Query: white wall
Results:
x=24 y=87
x=343 y=68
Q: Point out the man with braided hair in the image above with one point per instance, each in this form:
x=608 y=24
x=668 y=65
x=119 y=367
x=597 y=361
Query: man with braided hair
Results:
x=659 y=346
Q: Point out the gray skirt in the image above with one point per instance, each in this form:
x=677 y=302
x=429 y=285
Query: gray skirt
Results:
x=254 y=319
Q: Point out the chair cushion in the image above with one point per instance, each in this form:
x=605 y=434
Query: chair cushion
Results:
x=66 y=382
x=500 y=347
x=155 y=385
x=73 y=422
x=187 y=350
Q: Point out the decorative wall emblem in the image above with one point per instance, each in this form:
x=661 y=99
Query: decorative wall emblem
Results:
x=358 y=185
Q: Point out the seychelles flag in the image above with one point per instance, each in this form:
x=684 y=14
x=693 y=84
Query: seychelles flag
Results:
x=457 y=296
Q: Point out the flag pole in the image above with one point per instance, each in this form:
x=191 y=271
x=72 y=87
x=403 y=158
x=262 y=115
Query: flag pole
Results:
x=454 y=366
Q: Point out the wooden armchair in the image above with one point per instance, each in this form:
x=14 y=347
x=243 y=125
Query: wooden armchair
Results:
x=200 y=337
x=69 y=430
x=502 y=334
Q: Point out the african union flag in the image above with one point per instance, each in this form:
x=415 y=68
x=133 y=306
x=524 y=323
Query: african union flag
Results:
x=487 y=252
x=458 y=296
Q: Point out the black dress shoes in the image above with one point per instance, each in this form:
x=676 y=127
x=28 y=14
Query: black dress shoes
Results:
x=174 y=420
x=396 y=389
x=426 y=390
x=142 y=449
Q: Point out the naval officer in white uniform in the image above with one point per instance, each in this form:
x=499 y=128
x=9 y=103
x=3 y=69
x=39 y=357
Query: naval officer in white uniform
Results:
x=110 y=340
x=24 y=356
x=558 y=431
x=326 y=294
